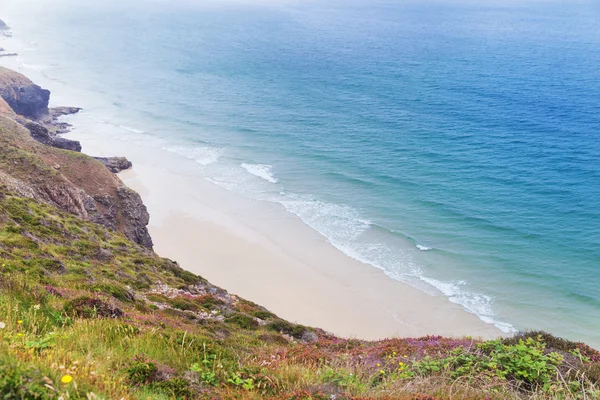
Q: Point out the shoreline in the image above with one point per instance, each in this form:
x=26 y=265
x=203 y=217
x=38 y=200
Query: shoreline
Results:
x=272 y=257
x=267 y=255
x=289 y=268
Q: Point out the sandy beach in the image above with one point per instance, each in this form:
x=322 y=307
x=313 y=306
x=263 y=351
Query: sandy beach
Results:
x=258 y=250
x=269 y=256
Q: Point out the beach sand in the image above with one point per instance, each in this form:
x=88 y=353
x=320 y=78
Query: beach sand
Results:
x=261 y=252
x=257 y=249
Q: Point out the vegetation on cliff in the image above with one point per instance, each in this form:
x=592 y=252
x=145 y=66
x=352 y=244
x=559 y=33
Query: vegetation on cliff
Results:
x=71 y=181
x=86 y=313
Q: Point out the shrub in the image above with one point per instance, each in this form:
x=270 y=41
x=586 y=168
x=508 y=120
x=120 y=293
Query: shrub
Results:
x=283 y=326
x=88 y=307
x=209 y=302
x=17 y=382
x=592 y=372
x=115 y=291
x=184 y=304
x=264 y=315
x=157 y=298
x=177 y=387
x=141 y=371
x=274 y=338
x=243 y=321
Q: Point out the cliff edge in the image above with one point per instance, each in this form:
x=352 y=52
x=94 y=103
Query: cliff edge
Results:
x=88 y=311
x=39 y=164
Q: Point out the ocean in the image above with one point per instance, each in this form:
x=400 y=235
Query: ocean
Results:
x=453 y=144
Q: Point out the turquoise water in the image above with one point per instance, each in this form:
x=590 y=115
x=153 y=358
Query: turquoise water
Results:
x=453 y=144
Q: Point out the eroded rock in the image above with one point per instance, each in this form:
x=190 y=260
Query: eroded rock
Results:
x=136 y=216
x=40 y=133
x=115 y=164
x=22 y=95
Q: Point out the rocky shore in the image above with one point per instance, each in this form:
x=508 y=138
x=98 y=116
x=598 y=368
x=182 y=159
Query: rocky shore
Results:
x=81 y=185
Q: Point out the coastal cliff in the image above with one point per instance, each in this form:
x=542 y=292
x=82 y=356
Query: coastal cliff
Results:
x=89 y=311
x=37 y=163
x=22 y=95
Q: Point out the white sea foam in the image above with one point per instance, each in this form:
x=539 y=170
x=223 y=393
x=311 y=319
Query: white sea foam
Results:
x=262 y=171
x=346 y=229
x=339 y=223
x=475 y=303
x=131 y=129
x=203 y=155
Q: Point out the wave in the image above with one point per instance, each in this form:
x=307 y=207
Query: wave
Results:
x=360 y=239
x=131 y=129
x=203 y=155
x=475 y=303
x=262 y=171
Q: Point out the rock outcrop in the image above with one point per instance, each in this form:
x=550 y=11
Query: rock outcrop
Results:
x=5 y=108
x=56 y=112
x=115 y=164
x=136 y=213
x=40 y=133
x=3 y=26
x=22 y=95
x=32 y=166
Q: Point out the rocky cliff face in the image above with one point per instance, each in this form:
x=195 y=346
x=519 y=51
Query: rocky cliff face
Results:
x=115 y=164
x=33 y=163
x=40 y=133
x=22 y=95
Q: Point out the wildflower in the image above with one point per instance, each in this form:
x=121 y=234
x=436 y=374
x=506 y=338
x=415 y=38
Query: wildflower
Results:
x=379 y=365
x=2 y=325
x=20 y=334
x=36 y=307
x=66 y=379
x=20 y=321
x=381 y=371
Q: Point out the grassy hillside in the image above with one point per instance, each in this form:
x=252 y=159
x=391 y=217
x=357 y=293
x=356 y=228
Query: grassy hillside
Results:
x=85 y=313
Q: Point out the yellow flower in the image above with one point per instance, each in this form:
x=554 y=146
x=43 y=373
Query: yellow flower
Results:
x=20 y=321
x=381 y=371
x=20 y=334
x=379 y=365
x=66 y=379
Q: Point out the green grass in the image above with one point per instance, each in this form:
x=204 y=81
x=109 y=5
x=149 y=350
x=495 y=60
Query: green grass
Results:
x=88 y=314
